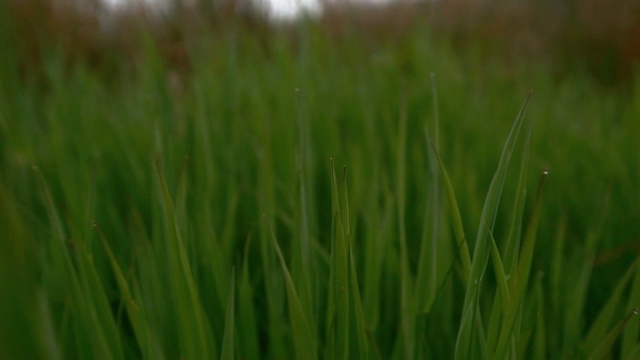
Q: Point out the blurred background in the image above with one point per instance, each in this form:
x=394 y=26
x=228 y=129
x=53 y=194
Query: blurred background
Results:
x=601 y=37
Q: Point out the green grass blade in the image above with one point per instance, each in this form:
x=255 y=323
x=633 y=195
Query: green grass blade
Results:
x=458 y=229
x=630 y=335
x=634 y=353
x=228 y=342
x=101 y=313
x=92 y=343
x=339 y=312
x=502 y=297
x=512 y=246
x=301 y=265
x=519 y=281
x=576 y=291
x=27 y=331
x=133 y=308
x=194 y=335
x=600 y=326
x=362 y=349
x=427 y=275
x=57 y=228
x=509 y=263
x=466 y=332
x=540 y=341
x=604 y=348
x=406 y=283
x=303 y=341
x=501 y=277
x=246 y=319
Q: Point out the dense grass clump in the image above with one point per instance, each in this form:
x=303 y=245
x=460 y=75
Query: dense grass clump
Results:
x=306 y=195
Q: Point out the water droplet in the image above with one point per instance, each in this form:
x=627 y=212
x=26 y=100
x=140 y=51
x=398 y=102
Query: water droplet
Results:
x=636 y=312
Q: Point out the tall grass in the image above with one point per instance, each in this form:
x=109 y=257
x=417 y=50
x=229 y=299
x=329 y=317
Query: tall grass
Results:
x=282 y=200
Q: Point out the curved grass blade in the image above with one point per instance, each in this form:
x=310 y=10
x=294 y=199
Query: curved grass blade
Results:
x=134 y=311
x=603 y=350
x=520 y=278
x=461 y=240
x=86 y=291
x=467 y=332
x=510 y=259
x=195 y=335
x=303 y=341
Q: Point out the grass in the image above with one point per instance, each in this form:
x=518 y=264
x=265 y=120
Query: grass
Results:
x=315 y=198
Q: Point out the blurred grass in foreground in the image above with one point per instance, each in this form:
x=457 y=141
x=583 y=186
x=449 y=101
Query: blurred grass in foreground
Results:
x=294 y=193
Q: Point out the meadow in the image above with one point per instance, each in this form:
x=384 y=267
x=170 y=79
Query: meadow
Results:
x=305 y=193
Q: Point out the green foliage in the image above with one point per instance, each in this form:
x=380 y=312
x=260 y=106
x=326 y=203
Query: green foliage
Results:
x=198 y=214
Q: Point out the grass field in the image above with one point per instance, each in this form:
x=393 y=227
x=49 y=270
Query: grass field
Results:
x=298 y=195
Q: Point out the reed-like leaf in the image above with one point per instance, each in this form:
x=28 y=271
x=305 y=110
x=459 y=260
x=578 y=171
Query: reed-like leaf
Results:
x=339 y=313
x=194 y=335
x=427 y=274
x=604 y=347
x=467 y=330
x=133 y=308
x=304 y=344
x=519 y=281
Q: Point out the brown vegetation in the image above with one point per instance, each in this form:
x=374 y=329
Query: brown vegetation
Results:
x=600 y=37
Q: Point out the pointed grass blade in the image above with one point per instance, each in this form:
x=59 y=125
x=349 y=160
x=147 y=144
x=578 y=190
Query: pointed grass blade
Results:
x=458 y=229
x=303 y=342
x=519 y=281
x=467 y=330
x=509 y=260
x=338 y=302
x=82 y=282
x=603 y=349
x=133 y=309
x=195 y=337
